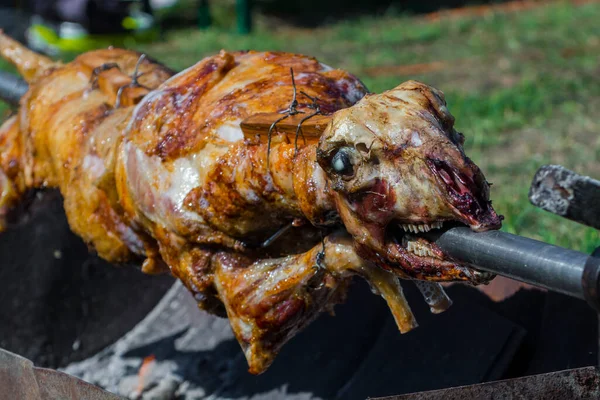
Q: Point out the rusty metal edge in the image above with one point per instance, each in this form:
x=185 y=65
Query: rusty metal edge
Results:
x=563 y=192
x=19 y=379
x=580 y=383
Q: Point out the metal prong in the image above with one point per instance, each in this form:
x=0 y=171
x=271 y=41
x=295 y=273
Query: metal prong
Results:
x=434 y=296
x=320 y=261
x=315 y=106
x=291 y=110
x=276 y=235
x=136 y=74
x=98 y=70
x=269 y=138
x=134 y=81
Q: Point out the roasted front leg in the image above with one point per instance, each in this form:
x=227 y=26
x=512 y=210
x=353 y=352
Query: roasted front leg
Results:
x=12 y=183
x=269 y=301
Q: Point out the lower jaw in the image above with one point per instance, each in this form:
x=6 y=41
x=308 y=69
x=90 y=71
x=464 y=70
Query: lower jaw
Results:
x=430 y=265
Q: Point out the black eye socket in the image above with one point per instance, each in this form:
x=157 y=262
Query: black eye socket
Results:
x=341 y=162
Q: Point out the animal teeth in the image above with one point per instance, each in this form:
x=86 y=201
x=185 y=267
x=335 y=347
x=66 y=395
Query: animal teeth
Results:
x=419 y=249
x=416 y=228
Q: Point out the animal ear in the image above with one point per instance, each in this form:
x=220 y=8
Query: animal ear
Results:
x=258 y=125
x=458 y=137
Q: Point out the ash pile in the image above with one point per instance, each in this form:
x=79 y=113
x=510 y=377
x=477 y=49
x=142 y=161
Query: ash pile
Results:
x=143 y=337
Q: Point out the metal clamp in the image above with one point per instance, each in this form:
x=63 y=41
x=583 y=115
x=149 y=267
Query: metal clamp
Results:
x=591 y=280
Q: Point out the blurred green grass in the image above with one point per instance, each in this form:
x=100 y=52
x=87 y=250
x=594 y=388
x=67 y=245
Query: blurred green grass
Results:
x=523 y=87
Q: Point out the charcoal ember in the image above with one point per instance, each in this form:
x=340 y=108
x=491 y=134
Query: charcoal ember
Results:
x=356 y=354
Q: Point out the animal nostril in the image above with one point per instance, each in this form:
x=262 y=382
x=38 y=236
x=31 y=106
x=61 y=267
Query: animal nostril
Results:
x=467 y=190
x=455 y=180
x=444 y=171
x=463 y=183
x=463 y=189
x=446 y=177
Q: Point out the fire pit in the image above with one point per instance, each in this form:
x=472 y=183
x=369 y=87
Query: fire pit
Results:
x=59 y=303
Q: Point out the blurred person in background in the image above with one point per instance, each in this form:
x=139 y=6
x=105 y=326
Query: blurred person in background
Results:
x=80 y=25
x=97 y=16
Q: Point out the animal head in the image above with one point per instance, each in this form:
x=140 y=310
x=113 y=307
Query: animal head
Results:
x=397 y=169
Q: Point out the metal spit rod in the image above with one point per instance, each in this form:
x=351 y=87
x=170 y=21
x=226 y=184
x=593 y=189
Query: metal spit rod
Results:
x=559 y=191
x=12 y=88
x=541 y=264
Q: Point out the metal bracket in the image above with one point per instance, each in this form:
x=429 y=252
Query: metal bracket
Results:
x=581 y=383
x=576 y=197
x=591 y=280
x=566 y=193
x=19 y=379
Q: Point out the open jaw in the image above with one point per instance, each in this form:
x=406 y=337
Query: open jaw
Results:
x=410 y=252
x=409 y=244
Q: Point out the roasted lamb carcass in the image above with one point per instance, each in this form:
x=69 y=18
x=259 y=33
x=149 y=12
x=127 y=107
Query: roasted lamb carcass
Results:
x=262 y=228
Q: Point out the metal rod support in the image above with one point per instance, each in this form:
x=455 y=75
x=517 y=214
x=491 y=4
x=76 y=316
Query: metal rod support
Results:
x=527 y=260
x=12 y=88
x=566 y=193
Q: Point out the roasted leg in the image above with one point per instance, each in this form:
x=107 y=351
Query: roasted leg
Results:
x=269 y=301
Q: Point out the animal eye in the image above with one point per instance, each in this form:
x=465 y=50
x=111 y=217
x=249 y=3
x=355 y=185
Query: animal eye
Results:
x=341 y=162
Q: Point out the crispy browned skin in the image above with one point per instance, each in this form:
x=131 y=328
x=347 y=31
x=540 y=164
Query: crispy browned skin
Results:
x=158 y=169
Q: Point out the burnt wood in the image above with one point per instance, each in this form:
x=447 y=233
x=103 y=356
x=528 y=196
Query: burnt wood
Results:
x=566 y=193
x=582 y=383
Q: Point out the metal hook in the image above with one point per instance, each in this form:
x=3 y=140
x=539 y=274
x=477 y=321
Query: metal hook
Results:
x=291 y=110
x=134 y=81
